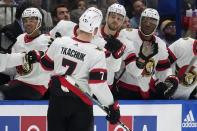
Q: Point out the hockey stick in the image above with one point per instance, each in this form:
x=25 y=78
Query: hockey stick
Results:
x=97 y=102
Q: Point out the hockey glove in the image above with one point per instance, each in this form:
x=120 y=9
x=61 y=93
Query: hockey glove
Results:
x=115 y=46
x=34 y=56
x=57 y=34
x=148 y=50
x=166 y=89
x=113 y=113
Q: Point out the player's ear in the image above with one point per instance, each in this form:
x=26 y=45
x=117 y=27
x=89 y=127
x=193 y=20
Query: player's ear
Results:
x=95 y=31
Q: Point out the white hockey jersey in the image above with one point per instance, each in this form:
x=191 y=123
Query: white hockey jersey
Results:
x=33 y=75
x=142 y=80
x=181 y=53
x=11 y=60
x=68 y=28
x=84 y=62
x=65 y=28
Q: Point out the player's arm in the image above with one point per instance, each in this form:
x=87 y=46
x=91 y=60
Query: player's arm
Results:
x=168 y=82
x=11 y=60
x=98 y=86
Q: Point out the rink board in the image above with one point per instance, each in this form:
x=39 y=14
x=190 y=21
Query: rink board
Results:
x=173 y=115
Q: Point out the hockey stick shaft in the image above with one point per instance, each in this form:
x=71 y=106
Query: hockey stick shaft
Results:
x=100 y=105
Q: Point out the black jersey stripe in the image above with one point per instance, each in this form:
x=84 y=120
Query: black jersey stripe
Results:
x=98 y=76
x=47 y=63
x=163 y=65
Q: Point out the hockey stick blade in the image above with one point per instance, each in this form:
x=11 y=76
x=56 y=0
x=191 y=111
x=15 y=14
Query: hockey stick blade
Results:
x=100 y=105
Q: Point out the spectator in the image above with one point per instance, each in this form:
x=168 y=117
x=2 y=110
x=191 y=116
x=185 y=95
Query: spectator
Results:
x=92 y=4
x=47 y=22
x=60 y=12
x=76 y=13
x=138 y=8
x=82 y=5
x=168 y=30
x=6 y=18
x=110 y=2
x=29 y=83
x=126 y=23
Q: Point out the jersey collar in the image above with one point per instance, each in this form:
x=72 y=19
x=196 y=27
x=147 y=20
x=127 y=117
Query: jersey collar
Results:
x=81 y=41
x=27 y=40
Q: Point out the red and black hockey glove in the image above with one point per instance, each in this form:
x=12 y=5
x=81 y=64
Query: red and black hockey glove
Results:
x=34 y=56
x=113 y=113
x=164 y=90
x=115 y=46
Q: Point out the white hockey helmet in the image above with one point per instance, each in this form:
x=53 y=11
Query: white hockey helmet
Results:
x=32 y=12
x=117 y=8
x=90 y=20
x=151 y=13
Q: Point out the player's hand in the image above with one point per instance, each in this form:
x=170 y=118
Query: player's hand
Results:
x=167 y=88
x=148 y=50
x=34 y=56
x=113 y=113
x=115 y=46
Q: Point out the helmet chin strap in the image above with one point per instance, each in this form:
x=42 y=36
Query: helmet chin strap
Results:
x=148 y=34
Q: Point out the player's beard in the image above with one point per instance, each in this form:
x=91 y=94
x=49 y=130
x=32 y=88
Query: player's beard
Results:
x=113 y=27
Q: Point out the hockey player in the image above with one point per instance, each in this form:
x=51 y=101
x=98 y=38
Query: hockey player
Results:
x=107 y=38
x=107 y=34
x=145 y=60
x=76 y=57
x=29 y=82
x=183 y=55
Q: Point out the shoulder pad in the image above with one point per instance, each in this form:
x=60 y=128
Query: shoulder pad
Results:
x=129 y=29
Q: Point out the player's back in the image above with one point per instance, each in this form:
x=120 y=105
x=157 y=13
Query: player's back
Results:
x=76 y=58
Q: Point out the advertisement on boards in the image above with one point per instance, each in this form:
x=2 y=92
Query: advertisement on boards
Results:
x=138 y=116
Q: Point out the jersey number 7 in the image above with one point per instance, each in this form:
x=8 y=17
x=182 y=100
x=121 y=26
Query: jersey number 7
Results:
x=70 y=66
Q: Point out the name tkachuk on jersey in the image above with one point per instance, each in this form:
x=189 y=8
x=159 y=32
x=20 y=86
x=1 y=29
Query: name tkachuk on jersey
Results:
x=189 y=121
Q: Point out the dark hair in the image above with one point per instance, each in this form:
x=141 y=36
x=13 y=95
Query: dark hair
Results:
x=21 y=7
x=54 y=11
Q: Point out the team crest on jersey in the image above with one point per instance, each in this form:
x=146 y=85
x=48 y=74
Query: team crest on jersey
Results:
x=149 y=68
x=26 y=68
x=129 y=29
x=188 y=79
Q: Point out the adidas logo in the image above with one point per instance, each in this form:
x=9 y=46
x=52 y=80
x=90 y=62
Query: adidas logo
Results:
x=189 y=120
